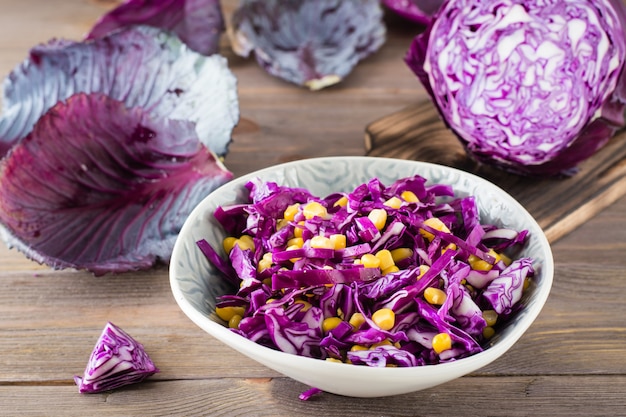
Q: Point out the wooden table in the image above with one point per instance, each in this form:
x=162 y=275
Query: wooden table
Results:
x=572 y=361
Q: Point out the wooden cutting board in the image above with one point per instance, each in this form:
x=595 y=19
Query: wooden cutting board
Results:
x=558 y=204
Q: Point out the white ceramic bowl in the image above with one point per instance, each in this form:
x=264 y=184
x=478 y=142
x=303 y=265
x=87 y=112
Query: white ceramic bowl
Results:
x=196 y=284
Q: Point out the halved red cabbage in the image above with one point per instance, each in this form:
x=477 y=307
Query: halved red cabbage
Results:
x=418 y=11
x=198 y=23
x=140 y=66
x=312 y=43
x=99 y=186
x=117 y=360
x=533 y=87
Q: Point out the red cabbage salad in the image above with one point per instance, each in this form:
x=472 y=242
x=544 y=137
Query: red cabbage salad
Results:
x=400 y=275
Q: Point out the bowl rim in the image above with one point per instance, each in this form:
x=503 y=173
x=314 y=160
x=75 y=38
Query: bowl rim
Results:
x=469 y=364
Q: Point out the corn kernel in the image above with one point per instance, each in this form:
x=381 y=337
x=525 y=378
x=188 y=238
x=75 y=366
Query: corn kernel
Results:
x=356 y=320
x=314 y=209
x=378 y=217
x=291 y=211
x=491 y=317
x=297 y=231
x=333 y=360
x=385 y=342
x=245 y=242
x=401 y=254
x=227 y=313
x=507 y=261
x=386 y=260
x=442 y=342
x=384 y=318
x=393 y=202
x=423 y=270
x=267 y=281
x=370 y=261
x=338 y=241
x=280 y=223
x=409 y=197
x=234 y=321
x=488 y=332
x=390 y=270
x=229 y=243
x=293 y=247
x=305 y=305
x=526 y=284
x=265 y=262
x=295 y=241
x=434 y=296
x=434 y=223
x=342 y=202
x=330 y=323
x=321 y=242
x=356 y=348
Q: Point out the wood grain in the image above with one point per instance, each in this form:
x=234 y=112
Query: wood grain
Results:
x=558 y=204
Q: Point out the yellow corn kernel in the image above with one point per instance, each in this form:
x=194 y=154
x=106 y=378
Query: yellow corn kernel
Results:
x=384 y=318
x=342 y=202
x=488 y=332
x=267 y=281
x=234 y=321
x=435 y=296
x=386 y=260
x=280 y=223
x=227 y=313
x=357 y=320
x=339 y=241
x=356 y=348
x=333 y=360
x=409 y=197
x=401 y=254
x=330 y=323
x=295 y=241
x=245 y=242
x=442 y=342
x=370 y=261
x=314 y=209
x=297 y=231
x=390 y=270
x=491 y=317
x=265 y=262
x=423 y=270
x=291 y=211
x=378 y=217
x=526 y=284
x=321 y=242
x=450 y=246
x=507 y=261
x=293 y=247
x=434 y=223
x=393 y=202
x=305 y=305
x=229 y=243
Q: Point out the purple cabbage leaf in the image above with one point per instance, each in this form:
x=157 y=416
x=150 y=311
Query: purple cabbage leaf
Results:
x=117 y=360
x=140 y=66
x=534 y=87
x=198 y=23
x=102 y=187
x=418 y=11
x=311 y=43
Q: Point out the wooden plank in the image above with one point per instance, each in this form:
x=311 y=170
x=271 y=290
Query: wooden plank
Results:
x=469 y=396
x=558 y=204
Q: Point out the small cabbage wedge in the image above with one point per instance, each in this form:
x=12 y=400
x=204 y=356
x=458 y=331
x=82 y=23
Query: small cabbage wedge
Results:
x=103 y=187
x=198 y=23
x=141 y=66
x=116 y=360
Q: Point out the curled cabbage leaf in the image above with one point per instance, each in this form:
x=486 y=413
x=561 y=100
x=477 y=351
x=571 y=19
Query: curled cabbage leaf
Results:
x=312 y=43
x=198 y=23
x=533 y=87
x=418 y=11
x=141 y=66
x=102 y=187
x=117 y=360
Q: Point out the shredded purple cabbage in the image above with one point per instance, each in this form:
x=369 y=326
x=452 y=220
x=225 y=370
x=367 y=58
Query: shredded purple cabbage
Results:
x=320 y=302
